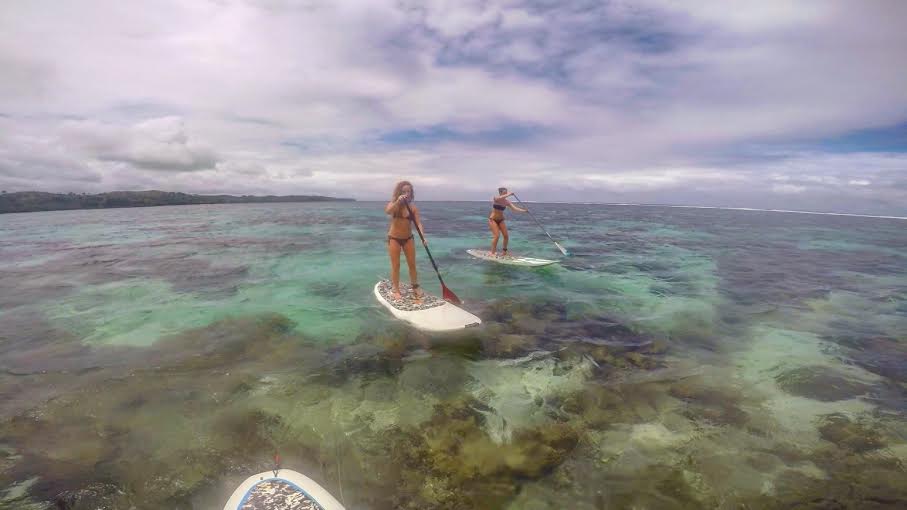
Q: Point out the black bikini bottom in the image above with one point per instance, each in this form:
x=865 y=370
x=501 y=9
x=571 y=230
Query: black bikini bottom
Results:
x=401 y=241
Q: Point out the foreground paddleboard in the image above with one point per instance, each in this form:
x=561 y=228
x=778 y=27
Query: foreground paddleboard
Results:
x=510 y=260
x=432 y=314
x=288 y=490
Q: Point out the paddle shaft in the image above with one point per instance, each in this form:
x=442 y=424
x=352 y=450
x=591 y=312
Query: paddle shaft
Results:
x=537 y=222
x=432 y=259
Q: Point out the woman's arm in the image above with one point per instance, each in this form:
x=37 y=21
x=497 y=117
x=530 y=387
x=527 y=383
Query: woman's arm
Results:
x=393 y=205
x=417 y=220
x=516 y=207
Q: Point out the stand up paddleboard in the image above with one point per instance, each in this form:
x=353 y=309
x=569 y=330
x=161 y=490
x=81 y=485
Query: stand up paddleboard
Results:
x=510 y=260
x=283 y=489
x=432 y=314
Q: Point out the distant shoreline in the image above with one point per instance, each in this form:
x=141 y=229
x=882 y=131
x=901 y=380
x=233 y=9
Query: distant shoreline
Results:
x=36 y=201
x=678 y=206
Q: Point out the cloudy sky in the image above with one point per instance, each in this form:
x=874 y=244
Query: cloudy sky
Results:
x=800 y=105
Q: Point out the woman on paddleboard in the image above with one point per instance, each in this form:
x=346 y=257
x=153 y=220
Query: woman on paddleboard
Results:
x=403 y=214
x=496 y=219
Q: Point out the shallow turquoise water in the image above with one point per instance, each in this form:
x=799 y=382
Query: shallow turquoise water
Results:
x=680 y=358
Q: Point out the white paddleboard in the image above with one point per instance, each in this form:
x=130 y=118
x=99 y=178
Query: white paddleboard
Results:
x=287 y=490
x=510 y=260
x=432 y=314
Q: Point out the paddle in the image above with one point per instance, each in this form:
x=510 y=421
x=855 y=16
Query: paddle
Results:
x=559 y=247
x=447 y=293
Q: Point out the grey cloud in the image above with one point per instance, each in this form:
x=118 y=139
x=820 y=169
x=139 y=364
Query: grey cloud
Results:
x=243 y=168
x=261 y=121
x=23 y=77
x=633 y=92
x=47 y=175
x=40 y=159
x=42 y=170
x=156 y=144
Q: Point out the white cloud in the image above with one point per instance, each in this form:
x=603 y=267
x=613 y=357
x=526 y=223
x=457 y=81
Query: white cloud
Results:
x=476 y=100
x=650 y=179
x=519 y=19
x=455 y=18
x=788 y=188
x=748 y=17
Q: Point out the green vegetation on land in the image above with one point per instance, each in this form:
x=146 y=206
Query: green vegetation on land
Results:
x=29 y=201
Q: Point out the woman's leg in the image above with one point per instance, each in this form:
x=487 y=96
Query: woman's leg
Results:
x=496 y=233
x=410 y=251
x=503 y=228
x=393 y=250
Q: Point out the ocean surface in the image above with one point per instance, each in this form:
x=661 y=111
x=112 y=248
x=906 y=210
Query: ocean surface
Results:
x=679 y=358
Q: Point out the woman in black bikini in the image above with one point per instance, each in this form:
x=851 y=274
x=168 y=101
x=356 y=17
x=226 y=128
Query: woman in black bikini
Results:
x=400 y=236
x=496 y=219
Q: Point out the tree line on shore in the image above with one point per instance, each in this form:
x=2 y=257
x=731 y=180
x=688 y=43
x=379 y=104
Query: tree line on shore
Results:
x=29 y=201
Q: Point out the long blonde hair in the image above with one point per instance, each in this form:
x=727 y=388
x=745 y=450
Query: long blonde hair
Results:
x=398 y=190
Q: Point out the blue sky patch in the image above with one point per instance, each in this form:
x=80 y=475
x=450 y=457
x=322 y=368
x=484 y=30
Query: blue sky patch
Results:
x=504 y=135
x=885 y=139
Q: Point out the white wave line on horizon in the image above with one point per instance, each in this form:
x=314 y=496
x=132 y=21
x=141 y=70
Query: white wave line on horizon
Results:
x=715 y=207
x=855 y=215
x=763 y=210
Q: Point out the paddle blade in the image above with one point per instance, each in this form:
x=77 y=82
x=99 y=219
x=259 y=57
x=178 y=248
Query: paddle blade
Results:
x=563 y=250
x=449 y=295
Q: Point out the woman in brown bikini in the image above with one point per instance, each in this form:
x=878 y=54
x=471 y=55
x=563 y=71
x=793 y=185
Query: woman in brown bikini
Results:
x=400 y=236
x=496 y=219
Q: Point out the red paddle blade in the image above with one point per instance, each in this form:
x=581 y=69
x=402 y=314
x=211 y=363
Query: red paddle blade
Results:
x=449 y=295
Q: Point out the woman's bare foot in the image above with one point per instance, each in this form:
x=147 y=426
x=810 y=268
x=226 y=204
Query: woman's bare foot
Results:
x=395 y=295
x=417 y=293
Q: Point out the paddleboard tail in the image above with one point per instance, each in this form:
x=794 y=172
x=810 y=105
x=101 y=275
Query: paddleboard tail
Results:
x=282 y=489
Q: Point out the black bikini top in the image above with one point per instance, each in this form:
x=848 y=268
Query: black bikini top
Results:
x=399 y=213
x=499 y=207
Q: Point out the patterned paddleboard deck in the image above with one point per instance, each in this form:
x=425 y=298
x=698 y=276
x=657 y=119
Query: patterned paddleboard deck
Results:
x=430 y=313
x=509 y=259
x=287 y=491
x=278 y=494
x=409 y=302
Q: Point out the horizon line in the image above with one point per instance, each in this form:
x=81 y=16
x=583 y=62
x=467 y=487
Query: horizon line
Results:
x=723 y=208
x=623 y=204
